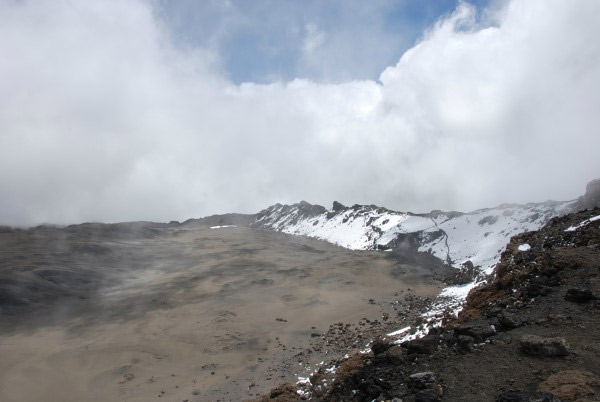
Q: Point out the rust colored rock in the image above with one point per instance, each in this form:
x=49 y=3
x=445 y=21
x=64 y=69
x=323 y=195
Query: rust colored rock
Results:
x=572 y=385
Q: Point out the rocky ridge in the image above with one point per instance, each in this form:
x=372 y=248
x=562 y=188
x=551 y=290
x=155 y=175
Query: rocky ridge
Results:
x=530 y=334
x=476 y=238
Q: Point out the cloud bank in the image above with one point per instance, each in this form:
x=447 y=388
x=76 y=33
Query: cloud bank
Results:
x=103 y=117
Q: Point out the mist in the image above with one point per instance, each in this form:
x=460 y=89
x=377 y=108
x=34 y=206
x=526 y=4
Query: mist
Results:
x=104 y=117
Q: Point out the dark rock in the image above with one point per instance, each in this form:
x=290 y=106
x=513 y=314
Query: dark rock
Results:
x=392 y=356
x=510 y=320
x=422 y=379
x=465 y=343
x=490 y=220
x=465 y=274
x=517 y=396
x=501 y=338
x=426 y=345
x=535 y=290
x=541 y=346
x=370 y=387
x=492 y=312
x=380 y=345
x=338 y=206
x=479 y=330
x=579 y=295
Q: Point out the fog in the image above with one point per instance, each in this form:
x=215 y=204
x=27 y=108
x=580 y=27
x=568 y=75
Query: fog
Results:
x=105 y=117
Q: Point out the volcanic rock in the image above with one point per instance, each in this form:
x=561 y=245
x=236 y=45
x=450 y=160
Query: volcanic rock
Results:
x=380 y=345
x=541 y=346
x=422 y=378
x=426 y=345
x=510 y=320
x=579 y=295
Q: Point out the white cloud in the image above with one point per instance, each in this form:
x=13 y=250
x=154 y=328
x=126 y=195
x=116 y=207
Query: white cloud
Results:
x=102 y=118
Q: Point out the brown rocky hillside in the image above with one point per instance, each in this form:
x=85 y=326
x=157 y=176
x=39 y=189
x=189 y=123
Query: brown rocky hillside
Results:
x=532 y=334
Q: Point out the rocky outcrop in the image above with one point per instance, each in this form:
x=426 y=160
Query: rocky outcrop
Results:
x=591 y=198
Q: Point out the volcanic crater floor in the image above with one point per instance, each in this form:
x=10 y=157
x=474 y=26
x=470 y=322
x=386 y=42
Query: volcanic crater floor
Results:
x=140 y=311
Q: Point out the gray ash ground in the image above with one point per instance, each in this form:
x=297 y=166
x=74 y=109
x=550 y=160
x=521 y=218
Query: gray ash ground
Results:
x=148 y=311
x=332 y=347
x=530 y=334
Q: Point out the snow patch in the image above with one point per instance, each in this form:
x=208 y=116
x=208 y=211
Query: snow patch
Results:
x=524 y=247
x=582 y=224
x=398 y=332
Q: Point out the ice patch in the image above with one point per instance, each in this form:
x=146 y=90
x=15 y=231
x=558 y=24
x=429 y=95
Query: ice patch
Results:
x=223 y=226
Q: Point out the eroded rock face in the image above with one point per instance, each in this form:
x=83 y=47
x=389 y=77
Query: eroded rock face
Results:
x=591 y=198
x=572 y=385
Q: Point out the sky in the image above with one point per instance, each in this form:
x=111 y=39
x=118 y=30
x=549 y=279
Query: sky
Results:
x=167 y=110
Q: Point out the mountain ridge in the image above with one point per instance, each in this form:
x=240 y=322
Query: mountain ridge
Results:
x=440 y=233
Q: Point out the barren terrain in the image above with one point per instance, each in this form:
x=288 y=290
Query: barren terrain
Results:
x=140 y=311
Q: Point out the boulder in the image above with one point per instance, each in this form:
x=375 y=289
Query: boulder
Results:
x=542 y=346
x=380 y=345
x=510 y=320
x=422 y=378
x=426 y=345
x=479 y=330
x=394 y=355
x=579 y=295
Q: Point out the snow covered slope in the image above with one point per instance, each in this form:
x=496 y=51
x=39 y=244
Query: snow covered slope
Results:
x=453 y=237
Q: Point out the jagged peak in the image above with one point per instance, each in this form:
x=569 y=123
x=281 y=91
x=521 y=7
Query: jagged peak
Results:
x=338 y=206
